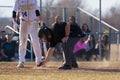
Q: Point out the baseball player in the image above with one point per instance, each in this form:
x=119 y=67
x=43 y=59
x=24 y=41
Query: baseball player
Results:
x=29 y=16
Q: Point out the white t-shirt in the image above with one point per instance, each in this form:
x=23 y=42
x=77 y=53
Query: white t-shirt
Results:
x=26 y=8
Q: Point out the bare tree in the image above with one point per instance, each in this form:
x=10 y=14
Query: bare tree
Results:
x=114 y=18
x=48 y=11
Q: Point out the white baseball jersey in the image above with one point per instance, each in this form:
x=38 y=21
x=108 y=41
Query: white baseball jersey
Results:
x=26 y=8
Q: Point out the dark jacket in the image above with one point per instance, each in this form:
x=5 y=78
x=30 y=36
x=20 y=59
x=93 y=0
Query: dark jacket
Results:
x=75 y=31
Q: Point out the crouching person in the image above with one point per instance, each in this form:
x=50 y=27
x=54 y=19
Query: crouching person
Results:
x=60 y=32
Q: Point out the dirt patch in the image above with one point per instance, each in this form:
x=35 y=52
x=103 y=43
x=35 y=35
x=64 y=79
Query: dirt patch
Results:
x=10 y=67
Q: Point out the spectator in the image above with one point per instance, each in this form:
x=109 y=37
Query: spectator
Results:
x=2 y=56
x=8 y=49
x=2 y=37
x=2 y=40
x=90 y=47
x=79 y=49
x=85 y=30
x=104 y=47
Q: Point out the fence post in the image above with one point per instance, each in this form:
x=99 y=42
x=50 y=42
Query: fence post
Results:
x=64 y=14
x=100 y=29
x=117 y=49
x=77 y=15
x=109 y=41
x=41 y=8
x=91 y=24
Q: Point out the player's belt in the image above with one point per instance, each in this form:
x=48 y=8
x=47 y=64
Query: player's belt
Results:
x=27 y=20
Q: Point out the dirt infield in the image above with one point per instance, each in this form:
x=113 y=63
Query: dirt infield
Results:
x=107 y=67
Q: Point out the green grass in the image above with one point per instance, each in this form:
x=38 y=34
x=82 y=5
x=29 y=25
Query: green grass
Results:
x=86 y=71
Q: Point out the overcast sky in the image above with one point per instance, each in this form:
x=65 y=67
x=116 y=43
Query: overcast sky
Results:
x=106 y=5
x=89 y=4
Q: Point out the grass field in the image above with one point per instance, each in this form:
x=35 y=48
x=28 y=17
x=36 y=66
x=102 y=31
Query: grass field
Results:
x=86 y=71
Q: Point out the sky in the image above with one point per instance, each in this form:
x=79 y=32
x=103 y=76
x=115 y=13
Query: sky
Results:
x=90 y=5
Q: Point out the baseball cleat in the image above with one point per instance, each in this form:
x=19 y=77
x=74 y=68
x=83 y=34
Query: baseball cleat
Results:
x=65 y=67
x=75 y=65
x=20 y=65
x=39 y=64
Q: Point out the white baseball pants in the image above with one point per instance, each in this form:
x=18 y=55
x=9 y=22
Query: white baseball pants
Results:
x=29 y=27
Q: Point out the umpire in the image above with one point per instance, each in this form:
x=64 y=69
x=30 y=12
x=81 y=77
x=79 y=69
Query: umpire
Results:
x=75 y=35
